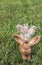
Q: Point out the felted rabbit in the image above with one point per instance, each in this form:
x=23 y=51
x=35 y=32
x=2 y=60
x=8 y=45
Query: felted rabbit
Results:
x=25 y=31
x=25 y=44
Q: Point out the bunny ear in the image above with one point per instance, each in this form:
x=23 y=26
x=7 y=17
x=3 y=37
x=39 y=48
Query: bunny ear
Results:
x=18 y=39
x=32 y=30
x=20 y=28
x=25 y=26
x=35 y=40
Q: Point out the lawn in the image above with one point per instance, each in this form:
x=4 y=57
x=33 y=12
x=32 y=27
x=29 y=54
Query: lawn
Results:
x=13 y=12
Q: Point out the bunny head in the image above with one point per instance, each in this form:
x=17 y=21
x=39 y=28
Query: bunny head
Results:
x=25 y=47
x=25 y=31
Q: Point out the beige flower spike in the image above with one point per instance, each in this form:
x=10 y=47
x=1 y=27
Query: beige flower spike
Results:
x=25 y=44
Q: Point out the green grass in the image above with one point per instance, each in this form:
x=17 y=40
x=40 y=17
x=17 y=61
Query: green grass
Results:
x=13 y=12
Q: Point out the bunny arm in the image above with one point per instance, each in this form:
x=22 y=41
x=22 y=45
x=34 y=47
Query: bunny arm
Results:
x=20 y=28
x=32 y=30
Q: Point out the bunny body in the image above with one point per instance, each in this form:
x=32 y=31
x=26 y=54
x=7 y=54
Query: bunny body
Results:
x=25 y=51
x=25 y=41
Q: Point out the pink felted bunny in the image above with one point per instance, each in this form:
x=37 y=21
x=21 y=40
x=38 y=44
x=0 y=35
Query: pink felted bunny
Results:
x=25 y=41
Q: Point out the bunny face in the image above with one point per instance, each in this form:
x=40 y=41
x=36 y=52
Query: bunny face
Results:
x=25 y=46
